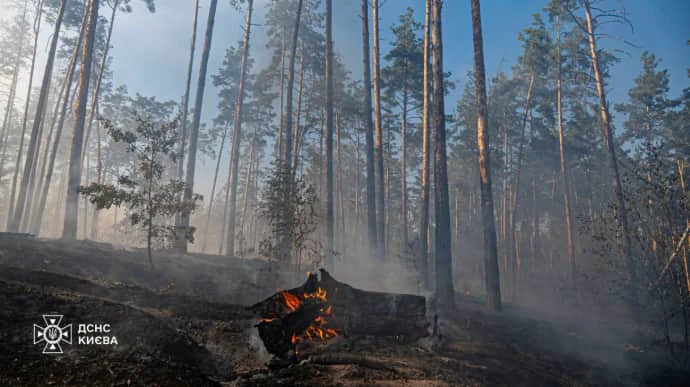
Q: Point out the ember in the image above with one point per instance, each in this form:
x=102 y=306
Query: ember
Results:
x=321 y=310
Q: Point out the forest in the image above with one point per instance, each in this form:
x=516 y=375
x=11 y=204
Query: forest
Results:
x=499 y=190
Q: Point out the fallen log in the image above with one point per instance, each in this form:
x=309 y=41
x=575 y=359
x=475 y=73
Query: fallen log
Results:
x=321 y=309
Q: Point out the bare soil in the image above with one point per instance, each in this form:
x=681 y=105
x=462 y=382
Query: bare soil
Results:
x=185 y=323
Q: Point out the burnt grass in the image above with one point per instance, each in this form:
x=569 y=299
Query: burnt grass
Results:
x=184 y=323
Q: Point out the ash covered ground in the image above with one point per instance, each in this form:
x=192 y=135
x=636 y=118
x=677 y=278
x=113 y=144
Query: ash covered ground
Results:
x=185 y=323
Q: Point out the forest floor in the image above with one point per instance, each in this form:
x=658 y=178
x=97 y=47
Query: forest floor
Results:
x=185 y=323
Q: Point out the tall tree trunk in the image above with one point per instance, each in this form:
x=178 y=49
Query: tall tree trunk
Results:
x=185 y=112
x=213 y=187
x=444 y=261
x=330 y=261
x=281 y=118
x=99 y=78
x=237 y=134
x=424 y=195
x=35 y=198
x=290 y=86
x=378 y=144
x=12 y=225
x=403 y=168
x=611 y=148
x=339 y=179
x=505 y=218
x=369 y=130
x=515 y=192
x=570 y=238
x=35 y=139
x=99 y=179
x=43 y=193
x=196 y=120
x=491 y=276
x=70 y=222
x=4 y=133
x=298 y=133
x=247 y=183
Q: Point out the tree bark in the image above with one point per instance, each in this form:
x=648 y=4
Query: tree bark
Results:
x=12 y=225
x=403 y=167
x=237 y=134
x=185 y=111
x=613 y=161
x=444 y=261
x=247 y=183
x=4 y=133
x=290 y=86
x=330 y=261
x=491 y=276
x=298 y=133
x=378 y=144
x=99 y=78
x=196 y=120
x=515 y=192
x=58 y=131
x=213 y=187
x=70 y=222
x=426 y=135
x=570 y=238
x=369 y=131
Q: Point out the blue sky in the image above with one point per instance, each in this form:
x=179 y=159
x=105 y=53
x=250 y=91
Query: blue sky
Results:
x=150 y=50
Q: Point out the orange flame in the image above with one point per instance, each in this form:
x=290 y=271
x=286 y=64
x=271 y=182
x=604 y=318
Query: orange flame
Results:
x=319 y=327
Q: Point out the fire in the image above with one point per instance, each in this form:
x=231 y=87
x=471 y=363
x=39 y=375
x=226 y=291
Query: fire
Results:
x=319 y=327
x=291 y=301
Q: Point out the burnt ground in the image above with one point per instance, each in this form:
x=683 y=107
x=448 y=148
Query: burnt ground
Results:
x=185 y=324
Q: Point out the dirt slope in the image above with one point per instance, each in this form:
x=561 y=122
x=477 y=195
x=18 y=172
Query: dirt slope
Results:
x=184 y=324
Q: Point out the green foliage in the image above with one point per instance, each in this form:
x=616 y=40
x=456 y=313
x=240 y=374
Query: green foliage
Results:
x=291 y=218
x=150 y=201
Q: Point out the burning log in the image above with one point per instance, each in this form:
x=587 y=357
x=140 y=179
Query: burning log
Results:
x=328 y=308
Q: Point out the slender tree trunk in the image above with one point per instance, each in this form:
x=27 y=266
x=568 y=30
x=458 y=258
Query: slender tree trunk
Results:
x=38 y=180
x=613 y=161
x=506 y=197
x=213 y=187
x=339 y=180
x=12 y=225
x=403 y=168
x=70 y=222
x=570 y=238
x=330 y=261
x=357 y=185
x=26 y=186
x=58 y=132
x=515 y=192
x=378 y=144
x=247 y=183
x=369 y=135
x=290 y=86
x=491 y=276
x=99 y=178
x=298 y=133
x=196 y=120
x=444 y=261
x=424 y=195
x=237 y=134
x=99 y=78
x=4 y=133
x=85 y=218
x=185 y=112
x=281 y=119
